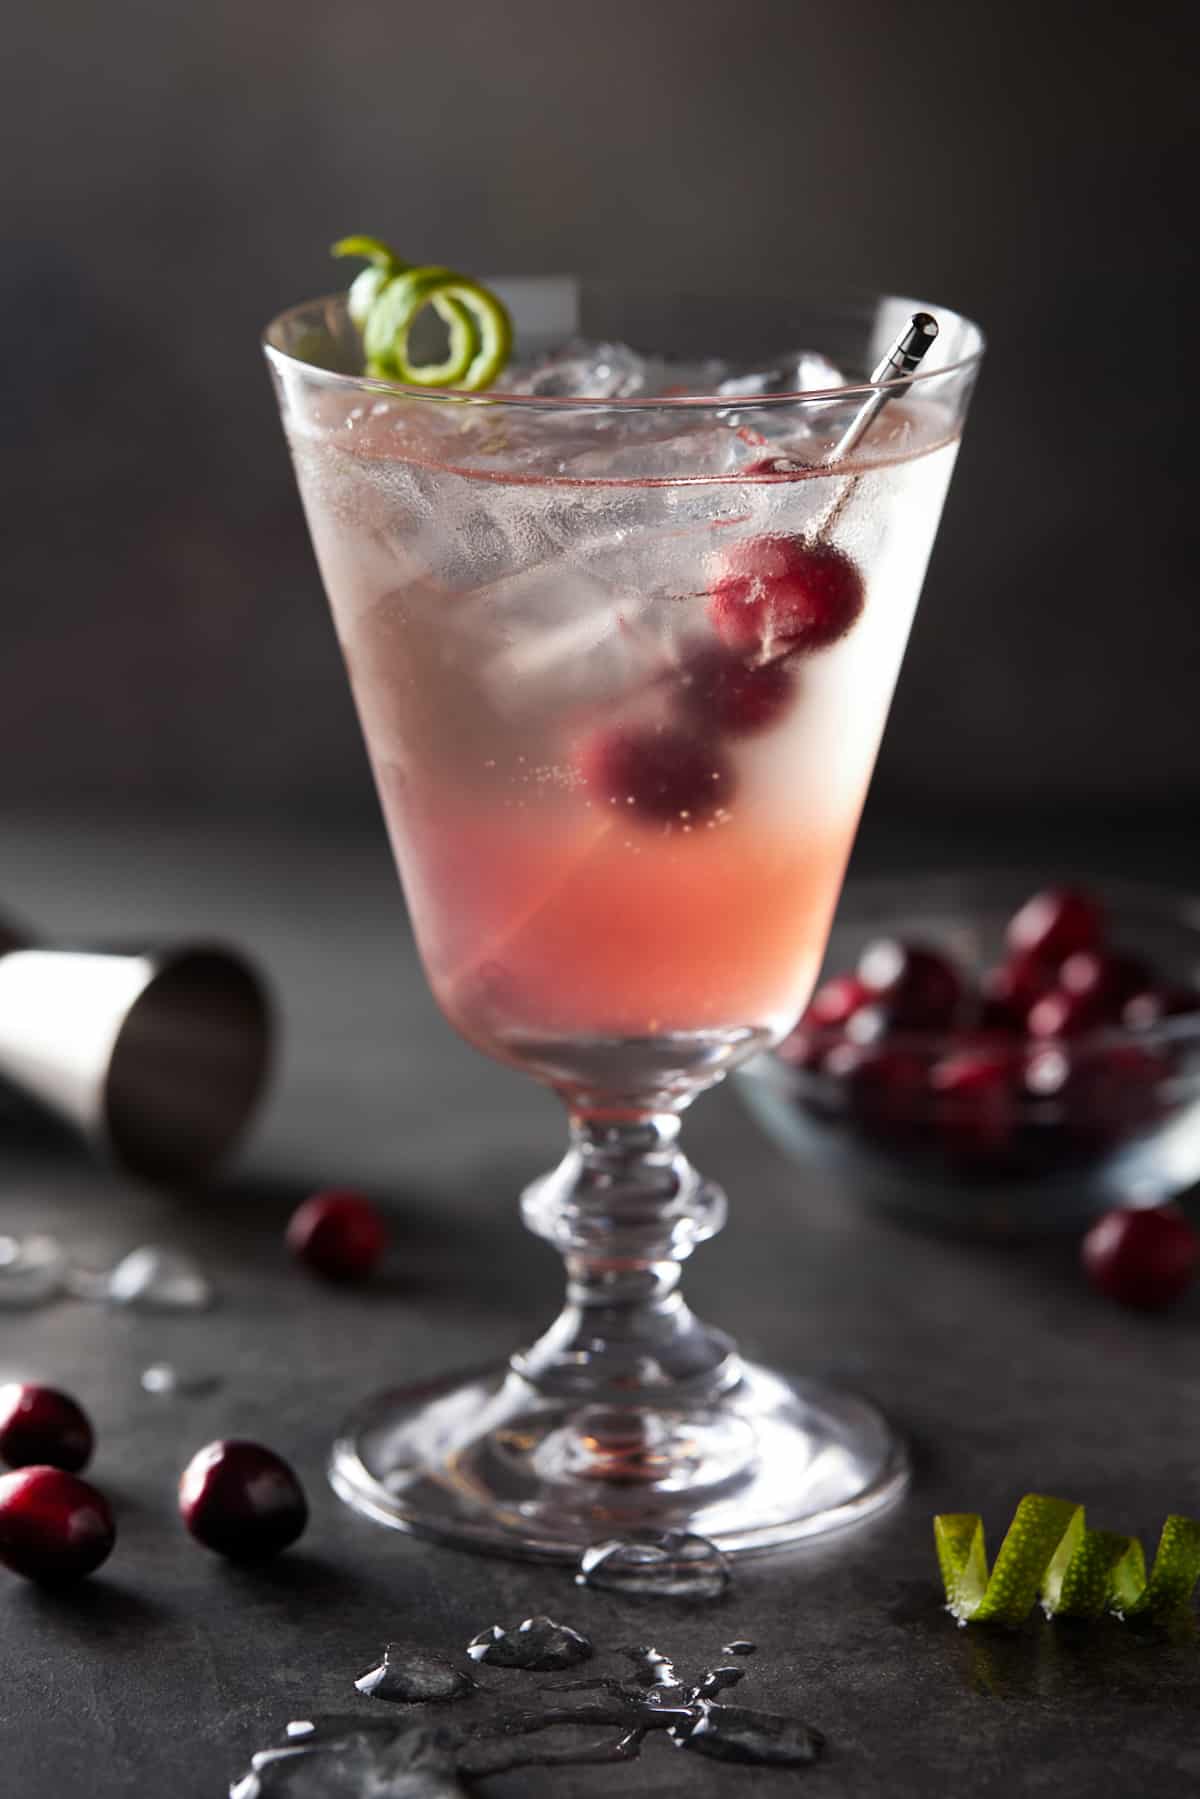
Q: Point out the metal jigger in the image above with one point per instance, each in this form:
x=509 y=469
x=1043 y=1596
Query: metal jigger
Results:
x=157 y=1056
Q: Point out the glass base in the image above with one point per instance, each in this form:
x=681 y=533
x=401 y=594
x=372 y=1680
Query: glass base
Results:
x=493 y=1464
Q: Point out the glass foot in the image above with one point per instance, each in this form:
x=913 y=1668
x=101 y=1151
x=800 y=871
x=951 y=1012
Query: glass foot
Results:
x=491 y=1463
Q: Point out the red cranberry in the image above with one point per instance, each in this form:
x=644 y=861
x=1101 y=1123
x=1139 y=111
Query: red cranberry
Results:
x=1105 y=977
x=887 y=1089
x=831 y=1008
x=720 y=688
x=836 y=1001
x=870 y=1024
x=1154 y=1005
x=657 y=771
x=1010 y=991
x=1141 y=1258
x=1060 y=1014
x=41 y=1425
x=781 y=596
x=54 y=1527
x=974 y=1101
x=1047 y=1072
x=1054 y=924
x=338 y=1234
x=919 y=987
x=805 y=1047
x=242 y=1500
x=1114 y=1088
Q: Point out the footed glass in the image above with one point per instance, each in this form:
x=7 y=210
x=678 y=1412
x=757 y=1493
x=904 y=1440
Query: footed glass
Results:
x=622 y=665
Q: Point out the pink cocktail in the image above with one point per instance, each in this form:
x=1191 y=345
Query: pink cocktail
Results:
x=622 y=667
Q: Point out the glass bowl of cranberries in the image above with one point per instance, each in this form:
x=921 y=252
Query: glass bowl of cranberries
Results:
x=989 y=1056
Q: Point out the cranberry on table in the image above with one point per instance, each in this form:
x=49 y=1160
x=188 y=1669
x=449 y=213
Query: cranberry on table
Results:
x=919 y=987
x=781 y=596
x=657 y=772
x=54 y=1527
x=1054 y=924
x=40 y=1425
x=242 y=1500
x=338 y=1234
x=1141 y=1258
x=720 y=688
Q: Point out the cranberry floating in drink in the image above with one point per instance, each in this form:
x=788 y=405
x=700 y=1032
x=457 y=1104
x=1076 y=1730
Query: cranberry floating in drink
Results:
x=622 y=632
x=785 y=596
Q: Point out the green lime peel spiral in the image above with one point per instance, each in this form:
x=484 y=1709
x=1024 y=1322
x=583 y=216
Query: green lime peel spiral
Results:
x=386 y=299
x=1049 y=1554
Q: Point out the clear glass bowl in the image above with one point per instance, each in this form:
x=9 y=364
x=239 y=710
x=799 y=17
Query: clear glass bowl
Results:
x=1108 y=1117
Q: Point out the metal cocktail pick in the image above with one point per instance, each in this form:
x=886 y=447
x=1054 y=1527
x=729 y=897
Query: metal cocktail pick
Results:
x=902 y=358
x=157 y=1056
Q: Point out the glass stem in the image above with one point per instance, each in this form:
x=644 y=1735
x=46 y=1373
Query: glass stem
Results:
x=625 y=1208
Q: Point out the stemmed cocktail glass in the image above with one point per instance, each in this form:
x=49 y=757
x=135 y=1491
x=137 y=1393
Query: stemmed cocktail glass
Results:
x=622 y=666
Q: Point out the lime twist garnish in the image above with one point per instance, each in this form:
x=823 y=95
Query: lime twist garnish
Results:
x=1049 y=1554
x=386 y=299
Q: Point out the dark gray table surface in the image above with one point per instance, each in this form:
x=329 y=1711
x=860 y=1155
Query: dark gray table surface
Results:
x=168 y=1668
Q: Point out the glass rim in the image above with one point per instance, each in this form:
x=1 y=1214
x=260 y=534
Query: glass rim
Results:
x=560 y=403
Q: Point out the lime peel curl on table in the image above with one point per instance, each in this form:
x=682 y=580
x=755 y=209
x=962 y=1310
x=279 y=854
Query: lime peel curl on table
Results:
x=386 y=299
x=1049 y=1554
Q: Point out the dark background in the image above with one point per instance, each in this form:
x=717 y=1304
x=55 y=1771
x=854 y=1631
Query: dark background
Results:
x=175 y=173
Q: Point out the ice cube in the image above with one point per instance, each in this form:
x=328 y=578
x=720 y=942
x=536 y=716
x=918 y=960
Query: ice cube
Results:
x=679 y=447
x=805 y=371
x=579 y=371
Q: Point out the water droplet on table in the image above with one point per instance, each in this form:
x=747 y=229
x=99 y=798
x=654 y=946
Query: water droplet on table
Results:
x=717 y=1679
x=539 y=1644
x=651 y=1668
x=347 y=1758
x=168 y=1382
x=410 y=1676
x=149 y=1278
x=32 y=1270
x=671 y=1564
x=737 y=1733
x=351 y=1757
